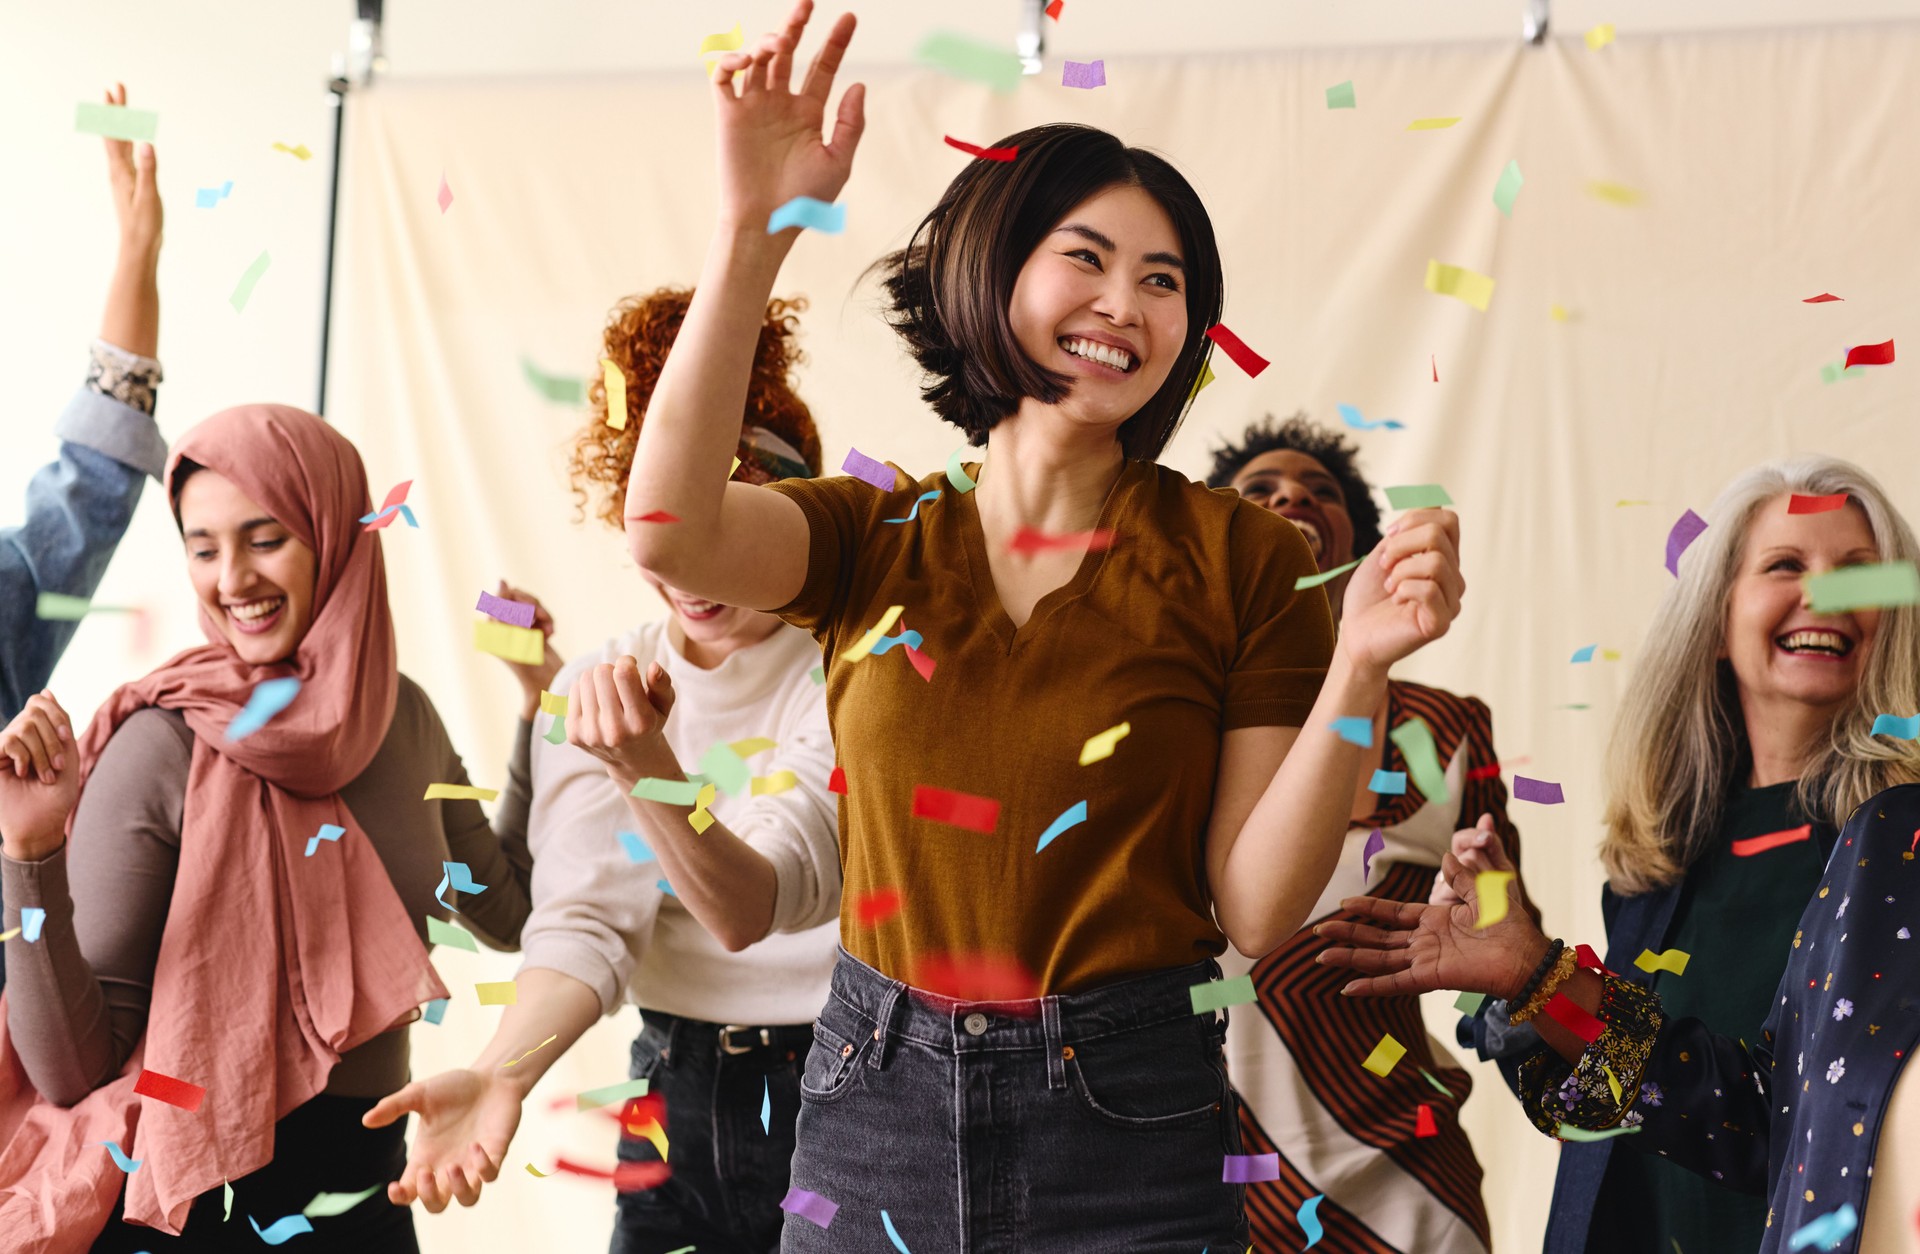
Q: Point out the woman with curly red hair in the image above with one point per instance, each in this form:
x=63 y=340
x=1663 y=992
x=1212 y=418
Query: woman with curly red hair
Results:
x=638 y=914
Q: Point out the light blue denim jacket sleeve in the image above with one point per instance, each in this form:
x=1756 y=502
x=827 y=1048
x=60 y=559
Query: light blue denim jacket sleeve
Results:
x=78 y=507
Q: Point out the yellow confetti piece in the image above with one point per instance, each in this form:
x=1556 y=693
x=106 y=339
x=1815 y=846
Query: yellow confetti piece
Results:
x=530 y=1053
x=616 y=383
x=1101 y=746
x=499 y=993
x=1431 y=124
x=700 y=820
x=535 y=1171
x=300 y=151
x=1622 y=504
x=1558 y=313
x=778 y=782
x=1674 y=960
x=554 y=704
x=653 y=1132
x=1612 y=1084
x=1611 y=655
x=459 y=792
x=750 y=746
x=1618 y=193
x=864 y=645
x=9 y=934
x=1490 y=887
x=723 y=41
x=736 y=466
x=1600 y=36
x=1206 y=377
x=1460 y=283
x=524 y=645
x=1388 y=1052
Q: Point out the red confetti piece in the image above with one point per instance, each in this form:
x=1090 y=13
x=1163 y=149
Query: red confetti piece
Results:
x=1772 y=840
x=655 y=516
x=169 y=1090
x=1564 y=1011
x=1423 y=1124
x=581 y=1169
x=1027 y=541
x=1870 y=355
x=389 y=508
x=985 y=154
x=975 y=977
x=1821 y=299
x=921 y=662
x=639 y=1177
x=1484 y=772
x=637 y=1112
x=1436 y=368
x=1798 y=504
x=1236 y=348
x=961 y=809
x=872 y=908
x=837 y=782
x=1586 y=958
x=1053 y=10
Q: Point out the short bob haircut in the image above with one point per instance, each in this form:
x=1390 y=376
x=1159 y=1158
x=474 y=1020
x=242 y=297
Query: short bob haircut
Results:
x=950 y=288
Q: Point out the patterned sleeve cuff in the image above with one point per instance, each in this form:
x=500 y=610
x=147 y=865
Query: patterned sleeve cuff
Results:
x=1598 y=1092
x=127 y=377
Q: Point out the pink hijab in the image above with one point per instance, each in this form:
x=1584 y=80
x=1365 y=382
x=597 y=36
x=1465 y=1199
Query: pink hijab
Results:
x=271 y=964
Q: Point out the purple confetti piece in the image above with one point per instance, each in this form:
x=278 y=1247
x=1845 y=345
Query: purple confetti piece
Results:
x=1685 y=532
x=1088 y=74
x=1375 y=843
x=1544 y=792
x=867 y=470
x=812 y=1207
x=1251 y=1168
x=518 y=613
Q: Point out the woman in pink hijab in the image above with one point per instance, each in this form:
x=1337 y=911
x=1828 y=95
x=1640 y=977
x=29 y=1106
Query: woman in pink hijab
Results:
x=220 y=921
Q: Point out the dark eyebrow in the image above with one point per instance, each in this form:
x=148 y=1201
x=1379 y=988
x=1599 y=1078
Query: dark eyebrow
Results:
x=1092 y=236
x=201 y=533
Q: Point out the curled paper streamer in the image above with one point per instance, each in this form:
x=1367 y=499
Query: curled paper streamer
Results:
x=886 y=1220
x=814 y=215
x=1072 y=816
x=956 y=475
x=1899 y=728
x=1674 y=960
x=985 y=154
x=1870 y=355
x=1686 y=529
x=875 y=634
x=915 y=511
x=1567 y=1132
x=281 y=1231
x=1310 y=1220
x=1350 y=414
x=328 y=831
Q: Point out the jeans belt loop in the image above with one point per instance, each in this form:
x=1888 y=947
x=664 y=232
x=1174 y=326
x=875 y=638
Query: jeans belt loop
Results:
x=1056 y=1045
x=883 y=1020
x=727 y=1045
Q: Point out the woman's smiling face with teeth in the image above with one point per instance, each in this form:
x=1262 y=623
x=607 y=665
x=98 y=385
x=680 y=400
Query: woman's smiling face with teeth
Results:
x=1300 y=489
x=1779 y=648
x=253 y=577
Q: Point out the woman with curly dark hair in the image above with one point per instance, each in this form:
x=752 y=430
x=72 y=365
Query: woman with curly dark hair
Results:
x=642 y=915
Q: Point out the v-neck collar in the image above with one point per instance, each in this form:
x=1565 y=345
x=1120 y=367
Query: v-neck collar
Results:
x=986 y=595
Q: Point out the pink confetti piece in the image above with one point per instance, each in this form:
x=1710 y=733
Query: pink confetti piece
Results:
x=445 y=198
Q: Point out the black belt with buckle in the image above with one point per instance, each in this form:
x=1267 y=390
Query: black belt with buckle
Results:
x=733 y=1038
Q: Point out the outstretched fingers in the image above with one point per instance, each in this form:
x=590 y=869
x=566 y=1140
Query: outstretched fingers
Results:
x=826 y=62
x=1346 y=932
x=849 y=123
x=1401 y=915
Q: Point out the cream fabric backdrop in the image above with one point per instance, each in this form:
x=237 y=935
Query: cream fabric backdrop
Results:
x=1774 y=166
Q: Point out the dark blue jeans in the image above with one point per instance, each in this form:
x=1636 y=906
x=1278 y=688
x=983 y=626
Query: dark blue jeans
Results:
x=728 y=1173
x=1093 y=1122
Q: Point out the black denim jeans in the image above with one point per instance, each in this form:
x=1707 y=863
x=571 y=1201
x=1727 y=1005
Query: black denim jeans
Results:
x=728 y=1173
x=1095 y=1122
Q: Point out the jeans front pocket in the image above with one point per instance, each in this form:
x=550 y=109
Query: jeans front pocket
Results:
x=1165 y=1076
x=832 y=1062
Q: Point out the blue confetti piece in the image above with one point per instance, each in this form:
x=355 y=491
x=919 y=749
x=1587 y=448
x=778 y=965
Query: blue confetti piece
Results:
x=328 y=831
x=206 y=197
x=1897 y=727
x=436 y=1010
x=281 y=1230
x=665 y=887
x=1584 y=653
x=1350 y=414
x=1826 y=1231
x=766 y=1107
x=267 y=700
x=460 y=876
x=1355 y=731
x=893 y=1234
x=909 y=638
x=637 y=849
x=918 y=501
x=1389 y=783
x=32 y=919
x=120 y=1159
x=405 y=513
x=805 y=211
x=1074 y=815
x=1310 y=1220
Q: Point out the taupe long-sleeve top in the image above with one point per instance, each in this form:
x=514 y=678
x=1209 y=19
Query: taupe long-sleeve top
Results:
x=78 y=997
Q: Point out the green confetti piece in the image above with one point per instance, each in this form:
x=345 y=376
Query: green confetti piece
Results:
x=1219 y=994
x=1835 y=371
x=1418 y=496
x=1508 y=188
x=325 y=1205
x=1415 y=740
x=57 y=606
x=1567 y=1132
x=557 y=734
x=227 y=1190
x=440 y=932
x=1340 y=96
x=115 y=121
x=1469 y=1003
x=674 y=792
x=555 y=387
x=1867 y=587
x=1326 y=576
x=243 y=292
x=956 y=474
x=593 y=1098
x=970 y=59
x=724 y=767
x=1431 y=1079
x=818 y=674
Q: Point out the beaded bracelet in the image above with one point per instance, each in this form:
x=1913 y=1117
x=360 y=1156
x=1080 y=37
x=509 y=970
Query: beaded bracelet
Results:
x=1563 y=969
x=1539 y=973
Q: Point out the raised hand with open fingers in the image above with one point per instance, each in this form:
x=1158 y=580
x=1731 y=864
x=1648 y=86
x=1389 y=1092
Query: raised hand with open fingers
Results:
x=132 y=173
x=466 y=1121
x=39 y=779
x=1406 y=592
x=771 y=139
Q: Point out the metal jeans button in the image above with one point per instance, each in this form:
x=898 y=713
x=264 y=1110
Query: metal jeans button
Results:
x=976 y=1023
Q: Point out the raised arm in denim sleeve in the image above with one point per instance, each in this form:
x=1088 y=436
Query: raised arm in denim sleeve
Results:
x=78 y=507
